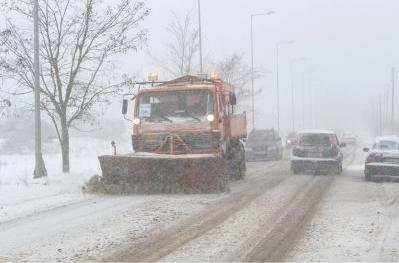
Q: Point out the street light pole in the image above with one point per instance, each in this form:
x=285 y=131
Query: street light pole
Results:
x=293 y=61
x=393 y=101
x=278 y=44
x=379 y=115
x=252 y=65
x=40 y=169
x=200 y=35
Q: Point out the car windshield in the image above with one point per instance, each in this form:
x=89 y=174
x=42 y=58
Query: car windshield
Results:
x=315 y=140
x=262 y=135
x=386 y=145
x=175 y=106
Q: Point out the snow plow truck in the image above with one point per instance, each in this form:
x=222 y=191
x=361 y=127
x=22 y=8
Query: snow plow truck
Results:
x=186 y=138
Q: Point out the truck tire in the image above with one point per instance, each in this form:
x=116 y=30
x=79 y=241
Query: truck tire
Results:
x=338 y=169
x=367 y=175
x=236 y=159
x=294 y=169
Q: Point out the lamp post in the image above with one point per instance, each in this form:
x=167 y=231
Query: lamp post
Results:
x=40 y=169
x=200 y=35
x=252 y=64
x=278 y=44
x=393 y=102
x=292 y=64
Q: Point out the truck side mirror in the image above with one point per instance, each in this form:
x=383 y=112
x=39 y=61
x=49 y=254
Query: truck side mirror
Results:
x=124 y=106
x=233 y=99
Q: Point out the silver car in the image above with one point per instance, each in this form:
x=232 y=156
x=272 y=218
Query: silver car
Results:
x=383 y=158
x=317 y=150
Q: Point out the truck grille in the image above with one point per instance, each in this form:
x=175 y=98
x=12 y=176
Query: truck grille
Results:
x=182 y=142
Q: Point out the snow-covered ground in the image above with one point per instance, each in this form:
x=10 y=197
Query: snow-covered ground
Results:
x=357 y=221
x=52 y=220
x=21 y=195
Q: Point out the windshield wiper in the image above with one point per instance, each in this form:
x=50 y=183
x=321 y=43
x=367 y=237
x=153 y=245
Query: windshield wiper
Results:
x=192 y=116
x=161 y=116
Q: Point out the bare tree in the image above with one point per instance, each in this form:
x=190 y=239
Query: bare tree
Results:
x=182 y=47
x=233 y=70
x=78 y=41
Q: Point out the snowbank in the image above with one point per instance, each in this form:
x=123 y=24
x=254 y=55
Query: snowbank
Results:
x=21 y=195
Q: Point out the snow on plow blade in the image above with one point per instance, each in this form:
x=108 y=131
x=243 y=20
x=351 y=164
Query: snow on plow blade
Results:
x=155 y=173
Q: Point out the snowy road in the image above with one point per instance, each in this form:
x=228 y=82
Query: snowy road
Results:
x=270 y=216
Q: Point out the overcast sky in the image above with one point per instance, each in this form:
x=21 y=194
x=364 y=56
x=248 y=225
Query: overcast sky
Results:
x=350 y=46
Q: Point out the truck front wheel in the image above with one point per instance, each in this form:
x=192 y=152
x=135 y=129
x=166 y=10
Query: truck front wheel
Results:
x=236 y=159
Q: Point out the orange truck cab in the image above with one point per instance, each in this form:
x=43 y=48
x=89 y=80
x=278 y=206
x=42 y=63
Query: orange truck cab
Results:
x=190 y=115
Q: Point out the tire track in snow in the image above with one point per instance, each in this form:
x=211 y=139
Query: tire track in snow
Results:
x=294 y=219
x=387 y=245
x=161 y=243
x=290 y=225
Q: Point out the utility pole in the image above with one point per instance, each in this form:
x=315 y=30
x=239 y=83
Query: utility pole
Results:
x=252 y=65
x=393 y=102
x=200 y=35
x=40 y=169
x=277 y=91
x=293 y=61
x=278 y=44
x=380 y=114
x=292 y=95
x=303 y=100
x=252 y=76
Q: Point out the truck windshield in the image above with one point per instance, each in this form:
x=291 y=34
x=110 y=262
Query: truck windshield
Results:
x=175 y=106
x=258 y=136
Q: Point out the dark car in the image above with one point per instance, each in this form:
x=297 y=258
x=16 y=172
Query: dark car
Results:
x=317 y=151
x=263 y=144
x=383 y=159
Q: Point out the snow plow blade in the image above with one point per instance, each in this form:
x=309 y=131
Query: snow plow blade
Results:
x=155 y=173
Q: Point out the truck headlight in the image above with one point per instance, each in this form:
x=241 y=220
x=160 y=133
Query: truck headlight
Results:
x=210 y=117
x=136 y=121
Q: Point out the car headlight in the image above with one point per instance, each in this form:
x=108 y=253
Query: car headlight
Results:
x=210 y=117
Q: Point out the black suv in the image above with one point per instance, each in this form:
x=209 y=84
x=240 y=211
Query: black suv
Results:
x=317 y=150
x=263 y=144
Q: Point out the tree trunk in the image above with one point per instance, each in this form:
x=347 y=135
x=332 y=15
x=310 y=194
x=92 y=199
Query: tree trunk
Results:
x=65 y=147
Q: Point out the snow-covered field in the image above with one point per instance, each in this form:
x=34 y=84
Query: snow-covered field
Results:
x=21 y=195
